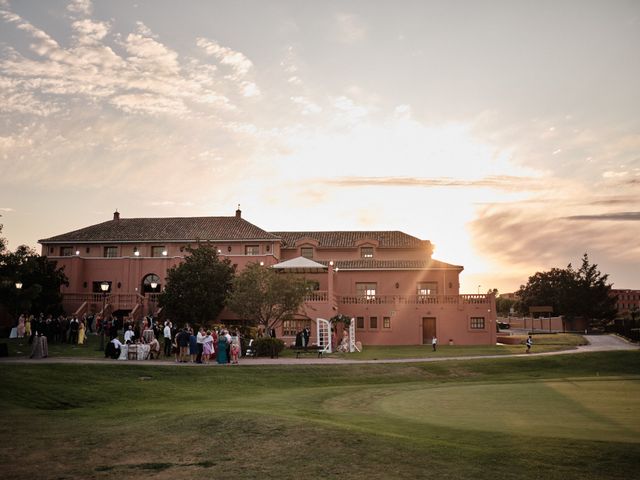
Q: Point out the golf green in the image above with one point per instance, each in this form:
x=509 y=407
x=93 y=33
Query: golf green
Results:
x=586 y=408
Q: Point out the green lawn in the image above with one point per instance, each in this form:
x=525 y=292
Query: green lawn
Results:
x=561 y=417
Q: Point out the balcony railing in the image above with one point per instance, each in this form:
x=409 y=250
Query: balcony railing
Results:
x=117 y=301
x=413 y=299
x=124 y=301
x=317 y=296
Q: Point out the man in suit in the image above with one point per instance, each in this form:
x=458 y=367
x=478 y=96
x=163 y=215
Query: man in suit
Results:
x=306 y=333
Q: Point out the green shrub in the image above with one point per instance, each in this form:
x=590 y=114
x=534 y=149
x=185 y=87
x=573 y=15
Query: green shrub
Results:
x=268 y=347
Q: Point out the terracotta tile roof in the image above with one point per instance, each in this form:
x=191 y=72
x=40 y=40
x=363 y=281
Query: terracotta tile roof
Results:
x=166 y=229
x=373 y=264
x=346 y=239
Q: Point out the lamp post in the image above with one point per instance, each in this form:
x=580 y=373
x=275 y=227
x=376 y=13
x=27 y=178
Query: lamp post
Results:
x=152 y=298
x=19 y=289
x=479 y=289
x=104 y=286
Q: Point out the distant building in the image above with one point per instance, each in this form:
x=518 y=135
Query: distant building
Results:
x=386 y=280
x=626 y=301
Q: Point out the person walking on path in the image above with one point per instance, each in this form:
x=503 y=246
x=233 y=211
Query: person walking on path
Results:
x=434 y=343
x=529 y=343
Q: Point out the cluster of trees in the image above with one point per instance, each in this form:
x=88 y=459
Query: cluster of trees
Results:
x=573 y=293
x=40 y=278
x=199 y=288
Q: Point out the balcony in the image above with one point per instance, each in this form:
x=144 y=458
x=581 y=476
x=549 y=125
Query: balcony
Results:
x=317 y=296
x=413 y=299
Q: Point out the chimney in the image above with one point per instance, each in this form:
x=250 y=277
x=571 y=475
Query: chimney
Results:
x=116 y=215
x=238 y=212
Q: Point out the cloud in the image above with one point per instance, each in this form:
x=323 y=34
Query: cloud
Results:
x=616 y=216
x=308 y=107
x=83 y=7
x=148 y=78
x=537 y=237
x=290 y=67
x=238 y=62
x=503 y=182
x=6 y=209
x=90 y=32
x=148 y=104
x=148 y=55
x=630 y=200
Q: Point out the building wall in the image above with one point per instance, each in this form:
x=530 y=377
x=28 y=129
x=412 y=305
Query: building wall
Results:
x=396 y=290
x=626 y=300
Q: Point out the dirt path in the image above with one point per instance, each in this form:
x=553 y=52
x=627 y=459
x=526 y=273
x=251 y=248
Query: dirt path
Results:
x=597 y=343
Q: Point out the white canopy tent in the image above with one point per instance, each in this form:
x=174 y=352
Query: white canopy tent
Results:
x=300 y=265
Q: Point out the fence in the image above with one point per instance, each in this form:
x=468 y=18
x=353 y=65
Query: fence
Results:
x=547 y=324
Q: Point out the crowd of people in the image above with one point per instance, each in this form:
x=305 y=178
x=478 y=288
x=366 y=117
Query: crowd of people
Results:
x=60 y=329
x=186 y=344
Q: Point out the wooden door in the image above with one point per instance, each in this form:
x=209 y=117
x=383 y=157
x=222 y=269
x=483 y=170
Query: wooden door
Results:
x=428 y=329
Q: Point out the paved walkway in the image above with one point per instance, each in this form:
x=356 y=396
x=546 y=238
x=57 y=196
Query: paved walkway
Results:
x=597 y=343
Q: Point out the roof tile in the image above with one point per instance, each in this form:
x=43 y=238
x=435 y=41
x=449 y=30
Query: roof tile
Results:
x=166 y=229
x=347 y=239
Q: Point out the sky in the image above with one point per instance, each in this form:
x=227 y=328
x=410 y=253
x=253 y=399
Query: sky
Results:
x=505 y=132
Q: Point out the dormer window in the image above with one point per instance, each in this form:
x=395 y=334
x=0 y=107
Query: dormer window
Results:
x=252 y=250
x=366 y=252
x=306 y=252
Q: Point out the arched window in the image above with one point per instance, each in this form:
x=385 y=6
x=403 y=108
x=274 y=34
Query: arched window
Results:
x=151 y=283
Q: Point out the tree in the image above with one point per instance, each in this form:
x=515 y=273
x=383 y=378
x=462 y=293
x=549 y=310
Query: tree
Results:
x=196 y=289
x=504 y=306
x=265 y=296
x=40 y=277
x=573 y=293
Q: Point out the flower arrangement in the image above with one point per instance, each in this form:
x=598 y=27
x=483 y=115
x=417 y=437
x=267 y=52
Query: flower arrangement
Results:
x=341 y=319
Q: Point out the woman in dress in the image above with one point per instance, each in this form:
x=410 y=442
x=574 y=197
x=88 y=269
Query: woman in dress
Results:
x=27 y=327
x=222 y=349
x=21 y=326
x=81 y=330
x=207 y=347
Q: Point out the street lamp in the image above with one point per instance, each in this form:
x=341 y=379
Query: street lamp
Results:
x=19 y=288
x=104 y=286
x=479 y=289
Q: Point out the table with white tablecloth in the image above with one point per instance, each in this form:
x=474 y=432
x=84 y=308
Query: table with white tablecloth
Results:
x=142 y=352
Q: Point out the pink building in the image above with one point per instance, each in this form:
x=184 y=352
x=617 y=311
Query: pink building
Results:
x=386 y=280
